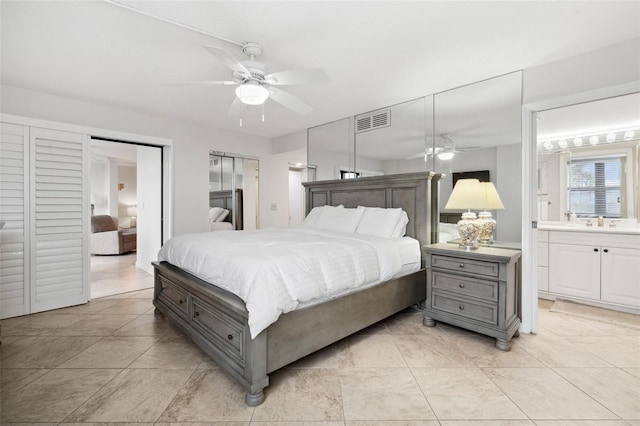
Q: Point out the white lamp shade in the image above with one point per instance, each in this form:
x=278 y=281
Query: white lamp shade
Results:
x=492 y=199
x=467 y=194
x=252 y=94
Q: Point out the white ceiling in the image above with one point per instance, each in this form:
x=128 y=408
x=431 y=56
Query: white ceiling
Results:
x=375 y=53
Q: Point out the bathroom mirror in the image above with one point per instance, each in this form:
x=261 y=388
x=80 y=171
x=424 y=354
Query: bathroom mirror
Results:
x=394 y=139
x=589 y=159
x=477 y=129
x=233 y=186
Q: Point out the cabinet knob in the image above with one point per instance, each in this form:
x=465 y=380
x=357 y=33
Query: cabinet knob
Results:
x=462 y=265
x=196 y=314
x=181 y=301
x=461 y=285
x=461 y=307
x=230 y=336
x=606 y=250
x=595 y=249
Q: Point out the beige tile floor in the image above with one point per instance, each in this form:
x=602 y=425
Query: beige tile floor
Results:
x=117 y=274
x=112 y=360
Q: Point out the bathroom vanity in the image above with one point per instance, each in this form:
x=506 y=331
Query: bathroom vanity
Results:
x=599 y=265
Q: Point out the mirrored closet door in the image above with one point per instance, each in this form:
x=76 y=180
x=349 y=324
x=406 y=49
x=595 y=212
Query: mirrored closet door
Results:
x=233 y=192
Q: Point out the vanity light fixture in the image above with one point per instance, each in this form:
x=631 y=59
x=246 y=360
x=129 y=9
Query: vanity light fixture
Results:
x=593 y=140
x=548 y=145
x=611 y=137
x=577 y=141
x=628 y=135
x=562 y=143
x=251 y=93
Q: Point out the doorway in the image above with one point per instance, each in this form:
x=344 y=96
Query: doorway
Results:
x=126 y=215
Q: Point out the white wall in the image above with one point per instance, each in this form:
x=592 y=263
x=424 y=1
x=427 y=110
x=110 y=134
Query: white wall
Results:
x=191 y=145
x=610 y=66
x=277 y=167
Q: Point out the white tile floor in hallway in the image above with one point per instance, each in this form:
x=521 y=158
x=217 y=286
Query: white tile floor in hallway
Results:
x=117 y=274
x=112 y=360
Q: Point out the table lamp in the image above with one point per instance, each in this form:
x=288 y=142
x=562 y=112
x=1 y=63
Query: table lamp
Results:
x=486 y=221
x=467 y=194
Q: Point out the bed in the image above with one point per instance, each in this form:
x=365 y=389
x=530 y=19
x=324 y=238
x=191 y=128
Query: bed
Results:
x=217 y=320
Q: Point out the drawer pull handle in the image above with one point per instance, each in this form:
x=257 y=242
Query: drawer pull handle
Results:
x=606 y=250
x=181 y=301
x=196 y=314
x=462 y=265
x=230 y=336
x=461 y=285
x=461 y=307
x=595 y=249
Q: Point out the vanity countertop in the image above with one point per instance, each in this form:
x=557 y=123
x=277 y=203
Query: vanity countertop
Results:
x=631 y=228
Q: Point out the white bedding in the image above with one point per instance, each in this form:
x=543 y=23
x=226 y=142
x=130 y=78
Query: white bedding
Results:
x=220 y=226
x=274 y=271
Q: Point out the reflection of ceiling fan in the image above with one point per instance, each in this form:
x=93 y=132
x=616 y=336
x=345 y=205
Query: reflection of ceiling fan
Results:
x=445 y=152
x=256 y=85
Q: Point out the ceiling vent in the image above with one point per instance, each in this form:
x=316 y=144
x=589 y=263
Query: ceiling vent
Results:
x=373 y=121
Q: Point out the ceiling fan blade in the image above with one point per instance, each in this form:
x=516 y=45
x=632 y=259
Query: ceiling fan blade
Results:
x=237 y=107
x=293 y=77
x=287 y=100
x=212 y=82
x=229 y=61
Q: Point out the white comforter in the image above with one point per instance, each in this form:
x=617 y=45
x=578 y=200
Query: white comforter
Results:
x=274 y=270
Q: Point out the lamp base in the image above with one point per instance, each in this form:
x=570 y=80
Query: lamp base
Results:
x=487 y=225
x=469 y=230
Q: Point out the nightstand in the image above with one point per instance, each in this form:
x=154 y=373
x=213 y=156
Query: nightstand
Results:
x=478 y=290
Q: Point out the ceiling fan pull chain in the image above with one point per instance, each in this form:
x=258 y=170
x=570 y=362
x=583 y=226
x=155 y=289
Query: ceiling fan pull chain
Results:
x=263 y=113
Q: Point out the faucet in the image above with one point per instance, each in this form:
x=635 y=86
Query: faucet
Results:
x=589 y=222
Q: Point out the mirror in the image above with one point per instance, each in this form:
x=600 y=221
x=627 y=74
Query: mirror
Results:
x=394 y=139
x=330 y=150
x=477 y=133
x=233 y=186
x=588 y=160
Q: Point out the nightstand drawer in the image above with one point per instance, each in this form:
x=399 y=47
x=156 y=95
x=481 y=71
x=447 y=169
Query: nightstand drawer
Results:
x=484 y=312
x=466 y=286
x=489 y=269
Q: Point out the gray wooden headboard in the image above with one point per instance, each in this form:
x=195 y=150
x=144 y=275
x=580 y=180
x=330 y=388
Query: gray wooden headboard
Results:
x=224 y=199
x=415 y=193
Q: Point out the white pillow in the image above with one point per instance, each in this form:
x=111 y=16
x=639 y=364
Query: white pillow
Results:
x=222 y=216
x=339 y=219
x=214 y=212
x=379 y=222
x=314 y=214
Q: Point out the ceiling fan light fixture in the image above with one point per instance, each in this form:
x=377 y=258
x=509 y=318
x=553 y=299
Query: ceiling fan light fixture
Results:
x=252 y=94
x=445 y=155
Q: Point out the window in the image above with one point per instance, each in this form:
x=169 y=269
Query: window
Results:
x=595 y=186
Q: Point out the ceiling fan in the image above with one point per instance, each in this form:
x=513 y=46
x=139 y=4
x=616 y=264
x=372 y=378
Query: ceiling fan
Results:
x=445 y=152
x=256 y=84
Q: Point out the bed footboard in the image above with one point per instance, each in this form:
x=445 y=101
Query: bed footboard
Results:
x=216 y=321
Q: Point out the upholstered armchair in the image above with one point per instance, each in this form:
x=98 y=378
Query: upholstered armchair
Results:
x=106 y=238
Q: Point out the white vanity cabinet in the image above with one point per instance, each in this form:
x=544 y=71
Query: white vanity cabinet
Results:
x=599 y=267
x=543 y=261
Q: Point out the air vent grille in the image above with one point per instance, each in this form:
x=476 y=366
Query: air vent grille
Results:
x=373 y=121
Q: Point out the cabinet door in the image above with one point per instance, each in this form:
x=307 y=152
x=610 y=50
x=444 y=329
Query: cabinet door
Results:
x=574 y=270
x=621 y=276
x=59 y=219
x=543 y=278
x=14 y=212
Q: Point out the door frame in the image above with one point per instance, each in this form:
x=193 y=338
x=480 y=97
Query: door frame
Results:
x=529 y=197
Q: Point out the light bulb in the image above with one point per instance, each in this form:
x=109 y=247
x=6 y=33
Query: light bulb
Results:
x=628 y=135
x=562 y=143
x=445 y=155
x=548 y=145
x=611 y=137
x=252 y=94
x=593 y=140
x=577 y=141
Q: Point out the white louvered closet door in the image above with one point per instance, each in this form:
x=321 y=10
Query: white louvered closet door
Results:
x=59 y=219
x=14 y=212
